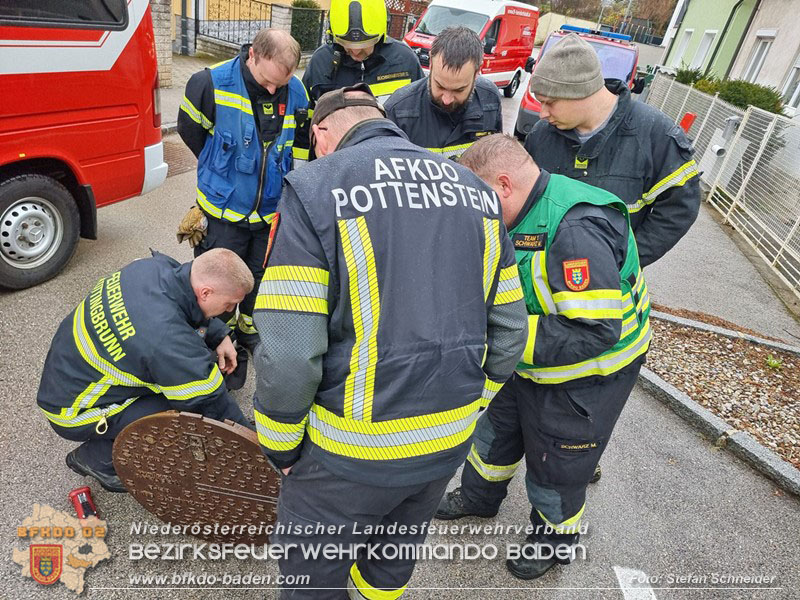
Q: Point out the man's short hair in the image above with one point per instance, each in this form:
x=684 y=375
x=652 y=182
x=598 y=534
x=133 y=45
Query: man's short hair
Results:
x=277 y=45
x=345 y=118
x=495 y=153
x=458 y=46
x=223 y=270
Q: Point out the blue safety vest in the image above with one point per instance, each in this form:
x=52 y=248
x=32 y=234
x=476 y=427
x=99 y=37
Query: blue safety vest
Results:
x=237 y=178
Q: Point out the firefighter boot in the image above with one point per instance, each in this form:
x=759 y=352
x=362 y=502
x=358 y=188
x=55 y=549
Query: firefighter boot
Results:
x=529 y=568
x=455 y=506
x=102 y=471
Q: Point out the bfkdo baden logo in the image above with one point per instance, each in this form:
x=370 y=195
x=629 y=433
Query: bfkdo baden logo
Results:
x=62 y=547
x=46 y=562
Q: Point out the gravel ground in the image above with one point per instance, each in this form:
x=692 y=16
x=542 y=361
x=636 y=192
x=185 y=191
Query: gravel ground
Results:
x=733 y=379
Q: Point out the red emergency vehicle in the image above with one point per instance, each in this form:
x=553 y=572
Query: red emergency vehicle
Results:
x=507 y=29
x=619 y=59
x=80 y=125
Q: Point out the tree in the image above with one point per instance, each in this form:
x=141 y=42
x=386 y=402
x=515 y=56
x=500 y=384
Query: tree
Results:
x=658 y=12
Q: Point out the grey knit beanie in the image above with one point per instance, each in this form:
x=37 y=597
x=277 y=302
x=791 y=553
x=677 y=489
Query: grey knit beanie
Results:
x=570 y=69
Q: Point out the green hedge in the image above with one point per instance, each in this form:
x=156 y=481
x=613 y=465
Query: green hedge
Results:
x=743 y=93
x=306 y=24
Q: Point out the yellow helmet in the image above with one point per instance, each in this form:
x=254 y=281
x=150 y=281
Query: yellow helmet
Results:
x=358 y=23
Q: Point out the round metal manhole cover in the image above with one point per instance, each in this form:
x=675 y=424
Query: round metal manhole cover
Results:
x=190 y=470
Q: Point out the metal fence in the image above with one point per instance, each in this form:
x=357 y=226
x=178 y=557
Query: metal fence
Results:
x=234 y=21
x=750 y=162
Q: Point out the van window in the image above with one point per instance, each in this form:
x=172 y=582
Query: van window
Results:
x=83 y=14
x=493 y=33
x=616 y=61
x=438 y=18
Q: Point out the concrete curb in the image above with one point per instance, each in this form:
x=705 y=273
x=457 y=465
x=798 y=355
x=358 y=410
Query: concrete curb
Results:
x=726 y=332
x=723 y=434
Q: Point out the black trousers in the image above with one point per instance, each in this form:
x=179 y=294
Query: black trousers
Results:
x=96 y=448
x=312 y=497
x=250 y=244
x=561 y=431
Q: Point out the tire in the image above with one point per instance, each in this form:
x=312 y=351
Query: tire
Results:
x=39 y=229
x=512 y=87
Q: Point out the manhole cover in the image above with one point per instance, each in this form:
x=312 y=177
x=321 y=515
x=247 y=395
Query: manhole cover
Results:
x=190 y=470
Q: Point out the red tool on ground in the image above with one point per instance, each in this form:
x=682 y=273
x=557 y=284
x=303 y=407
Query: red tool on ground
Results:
x=82 y=501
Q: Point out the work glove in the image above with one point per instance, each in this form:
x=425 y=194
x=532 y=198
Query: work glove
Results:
x=193 y=227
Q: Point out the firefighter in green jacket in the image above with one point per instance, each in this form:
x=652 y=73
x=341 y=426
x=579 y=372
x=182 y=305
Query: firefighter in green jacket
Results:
x=588 y=332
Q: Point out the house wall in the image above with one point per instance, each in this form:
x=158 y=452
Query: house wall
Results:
x=780 y=15
x=552 y=21
x=704 y=15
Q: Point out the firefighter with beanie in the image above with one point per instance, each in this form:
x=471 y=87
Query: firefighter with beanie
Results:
x=588 y=332
x=144 y=340
x=360 y=51
x=593 y=131
x=390 y=313
x=454 y=106
x=240 y=118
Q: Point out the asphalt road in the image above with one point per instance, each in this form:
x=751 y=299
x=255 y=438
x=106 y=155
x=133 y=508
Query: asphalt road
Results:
x=669 y=505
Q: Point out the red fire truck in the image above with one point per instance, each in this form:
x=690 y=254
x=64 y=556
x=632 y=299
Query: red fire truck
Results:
x=507 y=29
x=80 y=125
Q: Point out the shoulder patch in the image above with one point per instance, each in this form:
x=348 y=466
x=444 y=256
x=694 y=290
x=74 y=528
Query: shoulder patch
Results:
x=576 y=274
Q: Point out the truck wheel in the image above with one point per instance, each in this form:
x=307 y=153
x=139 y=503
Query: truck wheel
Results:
x=512 y=87
x=39 y=228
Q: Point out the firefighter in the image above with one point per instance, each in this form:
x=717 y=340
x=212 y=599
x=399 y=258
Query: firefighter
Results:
x=240 y=118
x=454 y=106
x=588 y=332
x=143 y=341
x=360 y=51
x=592 y=130
x=375 y=358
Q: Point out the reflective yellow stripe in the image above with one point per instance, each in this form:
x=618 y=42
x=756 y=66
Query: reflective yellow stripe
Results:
x=490 y=389
x=277 y=436
x=233 y=101
x=356 y=584
x=89 y=353
x=449 y=151
x=601 y=365
x=393 y=439
x=509 y=288
x=530 y=343
x=300 y=153
x=289 y=122
x=294 y=288
x=207 y=206
x=490 y=472
x=491 y=253
x=195 y=115
x=541 y=285
x=222 y=62
x=245 y=324
x=571 y=525
x=675 y=179
x=362 y=277
x=229 y=215
x=387 y=88
x=193 y=389
x=592 y=304
x=91 y=415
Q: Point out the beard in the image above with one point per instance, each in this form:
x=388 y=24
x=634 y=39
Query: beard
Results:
x=454 y=106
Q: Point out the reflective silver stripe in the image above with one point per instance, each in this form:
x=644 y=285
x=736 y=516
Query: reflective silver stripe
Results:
x=89 y=416
x=600 y=365
x=285 y=287
x=279 y=436
x=540 y=282
x=232 y=100
x=392 y=439
x=491 y=231
x=98 y=389
x=565 y=305
x=509 y=285
x=90 y=354
x=490 y=472
x=193 y=389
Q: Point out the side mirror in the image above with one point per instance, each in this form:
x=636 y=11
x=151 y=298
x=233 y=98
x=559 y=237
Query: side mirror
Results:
x=529 y=64
x=638 y=85
x=489 y=46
